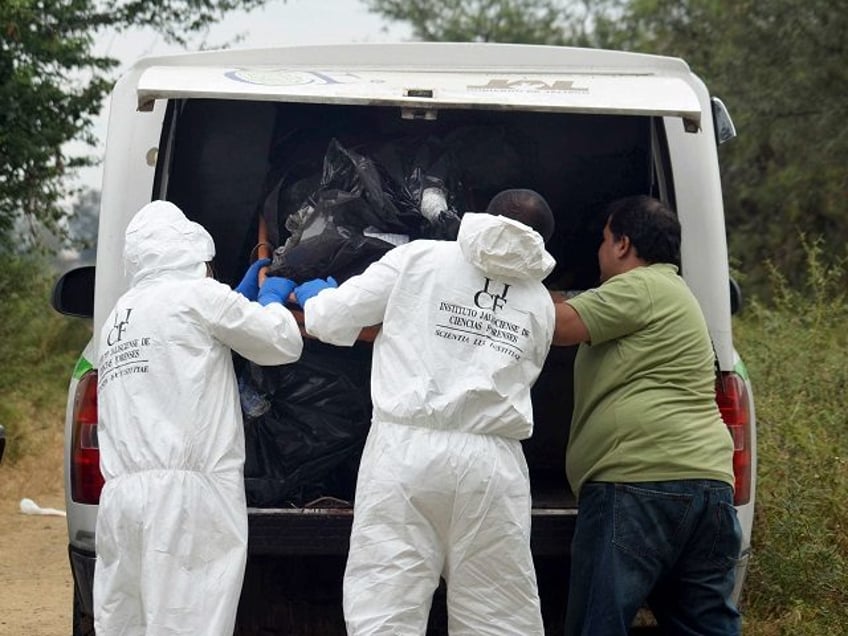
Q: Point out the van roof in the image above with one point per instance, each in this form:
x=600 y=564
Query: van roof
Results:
x=447 y=56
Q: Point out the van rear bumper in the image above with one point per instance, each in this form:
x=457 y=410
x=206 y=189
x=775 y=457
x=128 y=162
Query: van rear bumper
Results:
x=326 y=533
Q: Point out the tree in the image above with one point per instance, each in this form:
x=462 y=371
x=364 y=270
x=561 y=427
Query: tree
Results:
x=52 y=85
x=780 y=67
x=525 y=21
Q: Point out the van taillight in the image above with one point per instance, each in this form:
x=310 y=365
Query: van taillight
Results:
x=86 y=480
x=732 y=399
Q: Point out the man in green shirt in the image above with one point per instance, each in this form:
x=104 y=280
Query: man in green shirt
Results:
x=648 y=454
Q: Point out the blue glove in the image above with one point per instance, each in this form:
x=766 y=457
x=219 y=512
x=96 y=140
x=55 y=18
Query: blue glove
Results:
x=249 y=285
x=311 y=288
x=275 y=289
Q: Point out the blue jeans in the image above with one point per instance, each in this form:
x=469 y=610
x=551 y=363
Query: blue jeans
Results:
x=673 y=545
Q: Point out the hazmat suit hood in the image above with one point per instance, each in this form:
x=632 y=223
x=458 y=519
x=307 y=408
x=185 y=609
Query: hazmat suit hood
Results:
x=160 y=238
x=503 y=247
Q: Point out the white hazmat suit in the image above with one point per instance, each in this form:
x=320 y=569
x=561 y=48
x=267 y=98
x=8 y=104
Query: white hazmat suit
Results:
x=172 y=523
x=443 y=487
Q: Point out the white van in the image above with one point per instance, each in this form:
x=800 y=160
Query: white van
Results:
x=244 y=141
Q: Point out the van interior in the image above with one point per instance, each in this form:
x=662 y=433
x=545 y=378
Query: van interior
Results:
x=230 y=163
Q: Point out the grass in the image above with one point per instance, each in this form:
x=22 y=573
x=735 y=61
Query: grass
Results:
x=794 y=346
x=795 y=350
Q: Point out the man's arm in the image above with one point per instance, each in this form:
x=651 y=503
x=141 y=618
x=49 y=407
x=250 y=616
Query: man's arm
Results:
x=569 y=328
x=337 y=315
x=266 y=335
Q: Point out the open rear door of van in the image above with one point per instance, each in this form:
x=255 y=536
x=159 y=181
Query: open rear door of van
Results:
x=421 y=93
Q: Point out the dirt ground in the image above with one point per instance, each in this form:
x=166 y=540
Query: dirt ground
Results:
x=36 y=588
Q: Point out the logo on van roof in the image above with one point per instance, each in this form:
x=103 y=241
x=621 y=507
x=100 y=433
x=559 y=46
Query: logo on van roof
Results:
x=287 y=77
x=529 y=85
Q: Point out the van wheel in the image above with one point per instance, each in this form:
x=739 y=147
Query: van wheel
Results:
x=83 y=623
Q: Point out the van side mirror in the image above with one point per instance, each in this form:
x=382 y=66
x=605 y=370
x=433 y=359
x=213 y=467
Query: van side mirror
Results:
x=73 y=293
x=722 y=123
x=735 y=297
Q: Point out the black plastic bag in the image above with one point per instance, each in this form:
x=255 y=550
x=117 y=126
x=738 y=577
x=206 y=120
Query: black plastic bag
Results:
x=361 y=210
x=329 y=234
x=419 y=176
x=305 y=425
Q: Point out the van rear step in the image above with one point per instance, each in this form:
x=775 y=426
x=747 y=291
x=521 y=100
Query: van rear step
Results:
x=326 y=531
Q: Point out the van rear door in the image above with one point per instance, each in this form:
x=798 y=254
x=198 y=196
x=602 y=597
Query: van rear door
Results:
x=418 y=92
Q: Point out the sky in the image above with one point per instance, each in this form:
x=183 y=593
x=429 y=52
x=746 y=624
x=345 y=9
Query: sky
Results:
x=278 y=23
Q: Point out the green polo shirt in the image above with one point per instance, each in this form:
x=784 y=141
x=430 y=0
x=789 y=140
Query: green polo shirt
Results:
x=644 y=389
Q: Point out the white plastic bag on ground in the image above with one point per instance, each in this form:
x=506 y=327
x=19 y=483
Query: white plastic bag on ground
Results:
x=29 y=507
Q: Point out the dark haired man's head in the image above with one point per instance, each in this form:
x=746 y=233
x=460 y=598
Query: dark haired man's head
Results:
x=653 y=229
x=525 y=206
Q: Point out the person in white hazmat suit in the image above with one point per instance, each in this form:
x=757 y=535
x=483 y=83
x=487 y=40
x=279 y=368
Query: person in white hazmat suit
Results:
x=171 y=532
x=443 y=485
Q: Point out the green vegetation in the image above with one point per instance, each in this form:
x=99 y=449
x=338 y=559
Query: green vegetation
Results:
x=795 y=348
x=38 y=348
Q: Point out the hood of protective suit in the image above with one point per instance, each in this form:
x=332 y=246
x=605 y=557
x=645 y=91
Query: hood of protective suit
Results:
x=503 y=247
x=160 y=239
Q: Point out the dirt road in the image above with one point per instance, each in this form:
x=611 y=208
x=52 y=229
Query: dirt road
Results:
x=36 y=589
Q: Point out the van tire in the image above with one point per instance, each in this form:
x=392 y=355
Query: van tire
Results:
x=83 y=623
